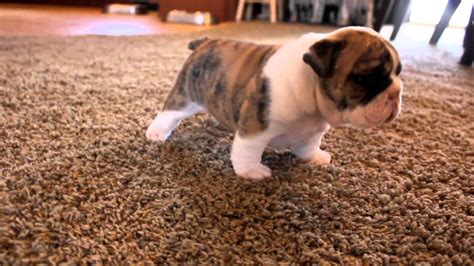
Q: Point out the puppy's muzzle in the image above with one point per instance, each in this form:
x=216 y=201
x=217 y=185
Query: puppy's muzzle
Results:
x=394 y=101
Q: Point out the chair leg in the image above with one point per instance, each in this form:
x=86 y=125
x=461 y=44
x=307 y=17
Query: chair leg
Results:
x=468 y=44
x=343 y=16
x=273 y=11
x=281 y=9
x=382 y=14
x=293 y=11
x=370 y=14
x=444 y=21
x=400 y=15
x=249 y=13
x=240 y=10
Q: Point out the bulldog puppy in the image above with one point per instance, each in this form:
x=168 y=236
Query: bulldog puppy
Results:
x=286 y=96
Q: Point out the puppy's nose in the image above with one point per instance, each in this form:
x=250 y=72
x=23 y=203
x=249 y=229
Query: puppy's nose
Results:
x=394 y=95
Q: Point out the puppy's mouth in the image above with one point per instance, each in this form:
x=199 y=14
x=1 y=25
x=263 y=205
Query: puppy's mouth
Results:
x=394 y=112
x=387 y=115
x=392 y=116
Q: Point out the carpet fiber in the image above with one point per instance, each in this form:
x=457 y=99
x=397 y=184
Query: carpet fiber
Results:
x=80 y=183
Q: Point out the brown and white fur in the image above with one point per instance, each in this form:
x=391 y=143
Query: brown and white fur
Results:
x=286 y=96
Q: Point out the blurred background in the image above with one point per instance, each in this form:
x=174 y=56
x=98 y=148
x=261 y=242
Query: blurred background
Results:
x=411 y=24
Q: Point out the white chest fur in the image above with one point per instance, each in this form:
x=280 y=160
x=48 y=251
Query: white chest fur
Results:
x=298 y=132
x=294 y=115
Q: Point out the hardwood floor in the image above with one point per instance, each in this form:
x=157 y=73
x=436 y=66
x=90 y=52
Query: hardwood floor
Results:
x=22 y=19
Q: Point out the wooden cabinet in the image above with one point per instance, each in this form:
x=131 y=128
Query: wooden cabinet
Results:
x=223 y=10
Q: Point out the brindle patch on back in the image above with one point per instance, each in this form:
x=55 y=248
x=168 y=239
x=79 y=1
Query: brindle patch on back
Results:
x=203 y=73
x=226 y=77
x=255 y=109
x=179 y=96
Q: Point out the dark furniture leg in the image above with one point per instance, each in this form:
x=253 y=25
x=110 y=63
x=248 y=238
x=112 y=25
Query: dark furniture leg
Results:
x=444 y=21
x=400 y=15
x=382 y=14
x=468 y=55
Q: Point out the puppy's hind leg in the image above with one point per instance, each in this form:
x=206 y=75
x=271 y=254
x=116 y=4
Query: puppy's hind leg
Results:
x=167 y=120
x=178 y=106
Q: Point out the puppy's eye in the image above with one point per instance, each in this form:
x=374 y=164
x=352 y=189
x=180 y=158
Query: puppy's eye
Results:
x=363 y=79
x=399 y=69
x=357 y=93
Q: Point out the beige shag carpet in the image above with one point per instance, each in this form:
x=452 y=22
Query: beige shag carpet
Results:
x=80 y=183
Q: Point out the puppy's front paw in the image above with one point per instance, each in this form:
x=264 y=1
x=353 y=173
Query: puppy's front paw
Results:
x=321 y=157
x=253 y=172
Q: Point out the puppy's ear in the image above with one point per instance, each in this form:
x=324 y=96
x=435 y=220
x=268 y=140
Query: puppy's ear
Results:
x=322 y=56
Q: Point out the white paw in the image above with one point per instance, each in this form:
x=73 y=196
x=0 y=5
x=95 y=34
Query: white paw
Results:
x=253 y=172
x=321 y=157
x=156 y=132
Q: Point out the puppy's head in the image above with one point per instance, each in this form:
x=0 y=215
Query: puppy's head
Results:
x=358 y=74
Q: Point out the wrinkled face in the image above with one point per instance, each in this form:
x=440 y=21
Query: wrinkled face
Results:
x=358 y=72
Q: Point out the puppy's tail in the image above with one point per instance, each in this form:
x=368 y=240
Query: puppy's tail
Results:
x=193 y=45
